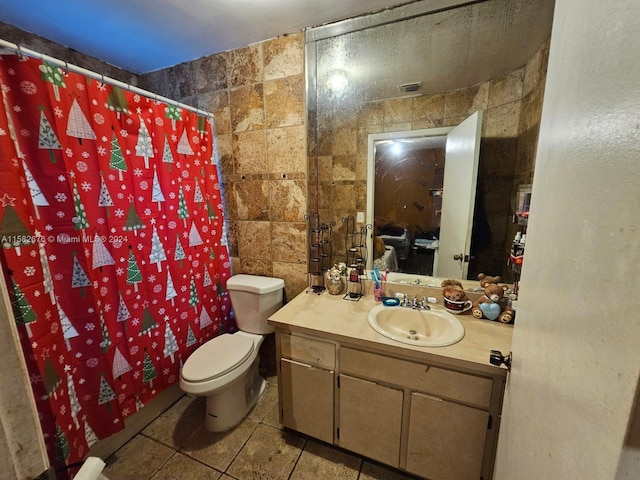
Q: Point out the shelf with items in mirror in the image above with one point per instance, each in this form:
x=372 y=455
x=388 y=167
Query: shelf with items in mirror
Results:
x=516 y=256
x=520 y=218
x=320 y=249
x=523 y=203
x=356 y=255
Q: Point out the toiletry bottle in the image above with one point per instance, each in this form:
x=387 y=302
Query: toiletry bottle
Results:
x=353 y=274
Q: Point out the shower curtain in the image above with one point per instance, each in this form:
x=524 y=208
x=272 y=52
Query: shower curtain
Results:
x=113 y=241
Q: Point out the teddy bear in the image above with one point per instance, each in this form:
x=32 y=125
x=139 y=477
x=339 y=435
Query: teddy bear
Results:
x=493 y=305
x=454 y=293
x=452 y=290
x=486 y=278
x=450 y=281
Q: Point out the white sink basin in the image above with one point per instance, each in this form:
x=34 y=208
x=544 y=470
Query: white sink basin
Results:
x=425 y=328
x=412 y=279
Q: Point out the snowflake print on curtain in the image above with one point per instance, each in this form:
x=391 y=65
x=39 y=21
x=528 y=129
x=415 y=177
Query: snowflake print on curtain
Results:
x=111 y=227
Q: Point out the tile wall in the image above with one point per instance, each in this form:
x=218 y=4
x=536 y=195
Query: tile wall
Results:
x=257 y=94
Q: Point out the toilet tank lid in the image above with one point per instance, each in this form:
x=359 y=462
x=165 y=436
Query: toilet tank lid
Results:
x=254 y=283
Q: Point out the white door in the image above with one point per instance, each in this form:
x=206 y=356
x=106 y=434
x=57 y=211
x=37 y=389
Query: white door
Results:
x=458 y=201
x=571 y=408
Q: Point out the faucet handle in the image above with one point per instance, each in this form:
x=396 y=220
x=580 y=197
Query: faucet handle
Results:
x=425 y=303
x=415 y=303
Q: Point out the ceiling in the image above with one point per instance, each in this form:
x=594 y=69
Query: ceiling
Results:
x=147 y=35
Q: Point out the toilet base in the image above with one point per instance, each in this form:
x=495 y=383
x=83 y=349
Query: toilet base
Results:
x=227 y=408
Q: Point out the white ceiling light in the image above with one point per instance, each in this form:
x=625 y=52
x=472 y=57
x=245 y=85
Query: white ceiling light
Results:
x=396 y=148
x=337 y=81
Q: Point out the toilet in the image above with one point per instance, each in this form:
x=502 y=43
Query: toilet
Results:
x=225 y=369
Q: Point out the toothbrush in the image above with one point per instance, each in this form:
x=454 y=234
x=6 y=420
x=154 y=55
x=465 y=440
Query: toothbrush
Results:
x=377 y=274
x=375 y=280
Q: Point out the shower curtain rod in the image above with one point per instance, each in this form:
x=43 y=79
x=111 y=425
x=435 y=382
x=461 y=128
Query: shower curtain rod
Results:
x=98 y=76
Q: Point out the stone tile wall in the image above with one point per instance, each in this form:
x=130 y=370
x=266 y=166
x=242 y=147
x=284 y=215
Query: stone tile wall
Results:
x=257 y=94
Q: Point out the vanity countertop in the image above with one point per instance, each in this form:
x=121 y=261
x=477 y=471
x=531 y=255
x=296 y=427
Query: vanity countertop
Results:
x=332 y=317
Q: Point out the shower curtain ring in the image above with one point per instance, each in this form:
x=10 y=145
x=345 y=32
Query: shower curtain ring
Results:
x=102 y=79
x=20 y=54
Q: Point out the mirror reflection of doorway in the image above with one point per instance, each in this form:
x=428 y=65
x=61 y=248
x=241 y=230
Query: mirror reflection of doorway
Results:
x=409 y=176
x=405 y=220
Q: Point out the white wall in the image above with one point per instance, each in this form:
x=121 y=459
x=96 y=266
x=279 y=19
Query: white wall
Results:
x=577 y=336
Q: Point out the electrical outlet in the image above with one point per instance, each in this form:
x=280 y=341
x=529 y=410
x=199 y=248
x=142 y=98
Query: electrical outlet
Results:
x=360 y=217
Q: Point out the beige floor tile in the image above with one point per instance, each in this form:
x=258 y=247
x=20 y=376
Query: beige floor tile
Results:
x=266 y=402
x=374 y=471
x=178 y=423
x=218 y=449
x=138 y=459
x=320 y=461
x=272 y=417
x=269 y=454
x=182 y=467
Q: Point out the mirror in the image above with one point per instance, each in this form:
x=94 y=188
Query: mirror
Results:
x=429 y=66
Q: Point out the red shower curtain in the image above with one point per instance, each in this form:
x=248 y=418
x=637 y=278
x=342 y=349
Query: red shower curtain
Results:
x=113 y=245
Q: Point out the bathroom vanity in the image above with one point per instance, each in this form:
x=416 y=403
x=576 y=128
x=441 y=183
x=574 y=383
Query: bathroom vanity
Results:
x=431 y=411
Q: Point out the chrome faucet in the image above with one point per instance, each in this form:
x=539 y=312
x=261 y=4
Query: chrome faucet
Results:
x=414 y=304
x=420 y=305
x=405 y=300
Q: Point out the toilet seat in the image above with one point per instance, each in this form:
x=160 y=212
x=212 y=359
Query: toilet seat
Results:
x=217 y=357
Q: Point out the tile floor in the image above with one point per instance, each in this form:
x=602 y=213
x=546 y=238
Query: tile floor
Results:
x=177 y=446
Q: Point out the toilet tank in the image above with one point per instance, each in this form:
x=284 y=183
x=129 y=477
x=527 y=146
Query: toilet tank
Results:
x=254 y=298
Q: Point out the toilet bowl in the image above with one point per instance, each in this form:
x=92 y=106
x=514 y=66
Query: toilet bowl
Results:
x=225 y=369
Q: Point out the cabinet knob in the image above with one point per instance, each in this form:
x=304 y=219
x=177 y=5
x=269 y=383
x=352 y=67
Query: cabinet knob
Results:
x=497 y=358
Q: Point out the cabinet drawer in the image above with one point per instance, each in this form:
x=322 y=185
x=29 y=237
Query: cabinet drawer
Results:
x=433 y=380
x=308 y=350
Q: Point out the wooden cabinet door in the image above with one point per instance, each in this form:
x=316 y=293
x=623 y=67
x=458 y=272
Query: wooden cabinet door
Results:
x=370 y=419
x=446 y=440
x=306 y=399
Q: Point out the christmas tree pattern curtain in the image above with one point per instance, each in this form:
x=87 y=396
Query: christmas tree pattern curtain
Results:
x=113 y=246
